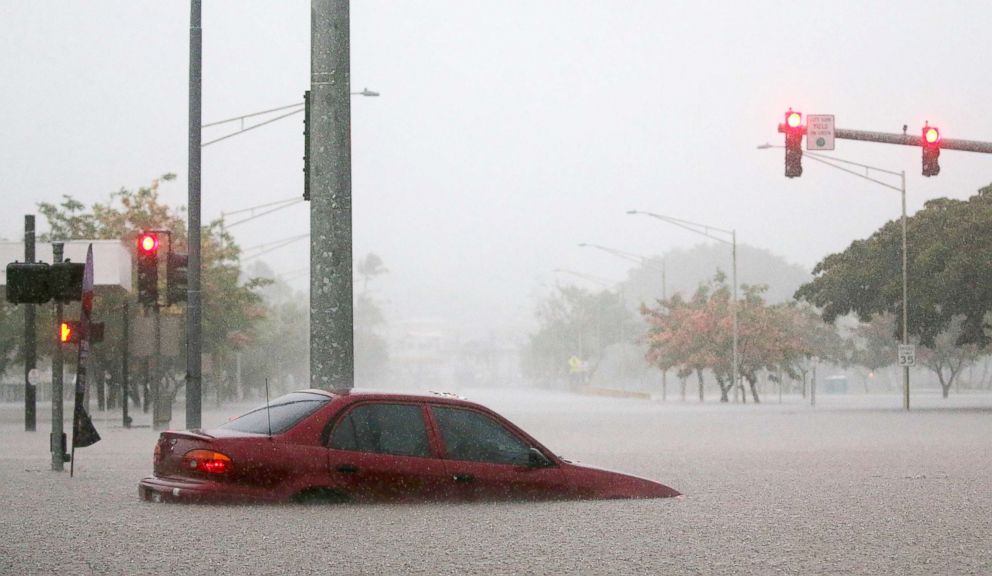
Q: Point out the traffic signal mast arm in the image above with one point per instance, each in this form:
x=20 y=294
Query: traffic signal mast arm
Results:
x=911 y=140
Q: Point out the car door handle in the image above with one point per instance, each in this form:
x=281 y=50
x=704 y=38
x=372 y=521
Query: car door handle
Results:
x=463 y=478
x=347 y=468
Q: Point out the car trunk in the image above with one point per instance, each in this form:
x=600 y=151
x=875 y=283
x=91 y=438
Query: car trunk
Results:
x=171 y=447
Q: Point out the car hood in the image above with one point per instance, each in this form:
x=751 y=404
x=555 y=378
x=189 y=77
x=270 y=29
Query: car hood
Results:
x=594 y=482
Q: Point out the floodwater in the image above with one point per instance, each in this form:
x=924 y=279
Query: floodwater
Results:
x=855 y=486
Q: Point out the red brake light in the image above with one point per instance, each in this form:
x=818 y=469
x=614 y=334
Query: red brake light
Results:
x=207 y=461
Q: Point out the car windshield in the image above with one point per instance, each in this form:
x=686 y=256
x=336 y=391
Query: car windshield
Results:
x=283 y=413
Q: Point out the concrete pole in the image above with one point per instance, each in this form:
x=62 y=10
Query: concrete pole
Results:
x=194 y=304
x=58 y=450
x=331 y=307
x=30 y=338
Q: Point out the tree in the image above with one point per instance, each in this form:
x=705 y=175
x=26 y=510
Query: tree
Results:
x=946 y=358
x=697 y=335
x=574 y=322
x=874 y=345
x=949 y=247
x=232 y=307
x=370 y=268
x=811 y=340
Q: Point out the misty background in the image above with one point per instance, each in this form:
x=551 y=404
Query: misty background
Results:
x=506 y=133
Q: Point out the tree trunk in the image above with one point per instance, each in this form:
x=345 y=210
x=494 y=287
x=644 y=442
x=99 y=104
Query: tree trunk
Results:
x=699 y=376
x=754 y=390
x=724 y=390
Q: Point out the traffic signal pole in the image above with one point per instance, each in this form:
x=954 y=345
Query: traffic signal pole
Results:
x=331 y=306
x=30 y=338
x=57 y=448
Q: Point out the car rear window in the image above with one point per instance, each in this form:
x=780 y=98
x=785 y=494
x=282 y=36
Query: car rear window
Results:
x=283 y=412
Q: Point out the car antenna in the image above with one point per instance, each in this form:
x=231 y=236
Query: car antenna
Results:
x=268 y=413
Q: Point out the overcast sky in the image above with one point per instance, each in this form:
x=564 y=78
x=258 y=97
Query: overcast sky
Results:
x=507 y=132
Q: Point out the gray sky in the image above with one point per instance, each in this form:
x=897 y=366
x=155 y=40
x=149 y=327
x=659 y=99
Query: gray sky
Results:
x=507 y=132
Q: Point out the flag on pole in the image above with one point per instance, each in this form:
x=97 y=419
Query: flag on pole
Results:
x=83 y=432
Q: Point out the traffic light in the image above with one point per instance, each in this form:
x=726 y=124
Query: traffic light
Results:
x=38 y=282
x=70 y=332
x=27 y=283
x=306 y=145
x=931 y=150
x=176 y=277
x=66 y=281
x=794 y=130
x=148 y=268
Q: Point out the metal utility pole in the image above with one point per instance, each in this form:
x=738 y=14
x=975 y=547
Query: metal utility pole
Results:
x=57 y=444
x=125 y=368
x=331 y=307
x=194 y=304
x=30 y=338
x=829 y=161
x=905 y=294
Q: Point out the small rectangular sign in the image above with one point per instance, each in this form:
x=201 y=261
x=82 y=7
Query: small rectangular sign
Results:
x=907 y=355
x=820 y=132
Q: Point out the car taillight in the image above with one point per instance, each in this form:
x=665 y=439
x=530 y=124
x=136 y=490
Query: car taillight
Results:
x=207 y=461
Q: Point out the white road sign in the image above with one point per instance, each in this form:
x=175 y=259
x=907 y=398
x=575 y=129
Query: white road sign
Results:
x=820 y=132
x=907 y=355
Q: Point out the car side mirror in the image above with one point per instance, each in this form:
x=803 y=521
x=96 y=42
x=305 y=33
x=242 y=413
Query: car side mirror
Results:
x=536 y=459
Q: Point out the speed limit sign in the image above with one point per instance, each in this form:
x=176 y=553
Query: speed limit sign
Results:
x=907 y=355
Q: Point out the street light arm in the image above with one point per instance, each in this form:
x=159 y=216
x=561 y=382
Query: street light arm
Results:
x=696 y=227
x=605 y=282
x=822 y=160
x=628 y=256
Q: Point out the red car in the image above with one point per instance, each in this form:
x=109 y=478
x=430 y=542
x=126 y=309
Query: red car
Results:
x=315 y=445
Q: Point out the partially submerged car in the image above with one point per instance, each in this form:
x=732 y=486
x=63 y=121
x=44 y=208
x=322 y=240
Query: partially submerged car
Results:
x=365 y=446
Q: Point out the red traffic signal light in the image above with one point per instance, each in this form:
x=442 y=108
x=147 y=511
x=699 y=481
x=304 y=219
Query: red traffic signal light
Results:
x=793 y=129
x=147 y=262
x=793 y=119
x=931 y=150
x=148 y=243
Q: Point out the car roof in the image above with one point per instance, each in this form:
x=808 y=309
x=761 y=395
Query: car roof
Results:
x=370 y=394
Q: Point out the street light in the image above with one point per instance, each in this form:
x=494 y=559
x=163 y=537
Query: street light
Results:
x=905 y=278
x=643 y=261
x=705 y=230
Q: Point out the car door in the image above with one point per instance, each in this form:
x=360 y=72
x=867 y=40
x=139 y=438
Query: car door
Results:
x=487 y=460
x=382 y=451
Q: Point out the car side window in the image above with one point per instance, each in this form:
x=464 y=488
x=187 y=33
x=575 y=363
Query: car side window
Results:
x=397 y=429
x=471 y=435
